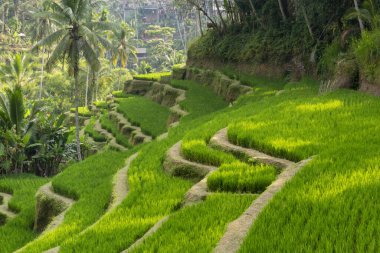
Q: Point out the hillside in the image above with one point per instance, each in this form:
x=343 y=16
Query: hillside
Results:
x=194 y=126
x=316 y=189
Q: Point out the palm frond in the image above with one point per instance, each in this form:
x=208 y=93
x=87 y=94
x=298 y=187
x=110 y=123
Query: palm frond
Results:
x=52 y=38
x=58 y=52
x=90 y=55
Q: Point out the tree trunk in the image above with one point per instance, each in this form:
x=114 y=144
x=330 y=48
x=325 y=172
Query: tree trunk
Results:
x=119 y=80
x=220 y=15
x=42 y=72
x=307 y=21
x=200 y=22
x=254 y=12
x=76 y=84
x=280 y=4
x=179 y=31
x=361 y=25
x=87 y=80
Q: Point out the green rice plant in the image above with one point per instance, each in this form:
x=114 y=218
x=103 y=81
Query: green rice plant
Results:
x=82 y=111
x=198 y=151
x=120 y=94
x=140 y=111
x=101 y=104
x=112 y=127
x=89 y=129
x=152 y=76
x=19 y=230
x=197 y=99
x=90 y=183
x=198 y=228
x=241 y=177
x=254 y=81
x=180 y=66
x=153 y=194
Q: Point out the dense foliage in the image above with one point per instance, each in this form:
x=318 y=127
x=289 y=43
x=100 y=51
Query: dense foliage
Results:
x=335 y=39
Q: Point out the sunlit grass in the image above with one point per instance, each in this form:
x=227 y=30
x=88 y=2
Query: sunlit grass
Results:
x=89 y=129
x=150 y=116
x=241 y=177
x=198 y=228
x=90 y=183
x=198 y=151
x=152 y=76
x=153 y=194
x=112 y=127
x=19 y=231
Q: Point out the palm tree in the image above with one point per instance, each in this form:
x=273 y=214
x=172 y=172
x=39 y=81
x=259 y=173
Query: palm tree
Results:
x=12 y=109
x=122 y=48
x=74 y=39
x=40 y=28
x=17 y=71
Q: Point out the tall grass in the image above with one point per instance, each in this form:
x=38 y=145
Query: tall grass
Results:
x=89 y=129
x=198 y=151
x=19 y=230
x=199 y=228
x=153 y=194
x=140 y=111
x=329 y=205
x=152 y=76
x=112 y=127
x=90 y=183
x=241 y=177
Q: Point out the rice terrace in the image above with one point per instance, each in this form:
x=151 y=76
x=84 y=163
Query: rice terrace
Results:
x=173 y=126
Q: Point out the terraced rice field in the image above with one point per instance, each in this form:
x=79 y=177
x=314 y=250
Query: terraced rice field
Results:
x=330 y=205
x=140 y=111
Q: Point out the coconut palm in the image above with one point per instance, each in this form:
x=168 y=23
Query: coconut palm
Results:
x=42 y=26
x=12 y=109
x=122 y=47
x=75 y=38
x=16 y=70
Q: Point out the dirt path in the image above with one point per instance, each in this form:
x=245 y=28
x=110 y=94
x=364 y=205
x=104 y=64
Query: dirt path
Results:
x=176 y=165
x=196 y=194
x=4 y=209
x=220 y=139
x=238 y=229
x=48 y=191
x=119 y=193
x=146 y=235
x=121 y=186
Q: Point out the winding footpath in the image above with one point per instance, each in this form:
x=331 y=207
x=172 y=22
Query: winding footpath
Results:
x=238 y=229
x=119 y=193
x=48 y=191
x=4 y=209
x=196 y=194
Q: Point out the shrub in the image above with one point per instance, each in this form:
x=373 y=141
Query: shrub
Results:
x=198 y=151
x=152 y=76
x=241 y=177
x=119 y=94
x=82 y=111
x=179 y=67
x=89 y=129
x=101 y=104
x=112 y=127
x=367 y=53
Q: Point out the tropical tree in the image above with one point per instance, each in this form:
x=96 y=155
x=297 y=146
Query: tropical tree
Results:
x=17 y=70
x=15 y=128
x=122 y=47
x=42 y=26
x=74 y=39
